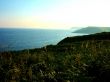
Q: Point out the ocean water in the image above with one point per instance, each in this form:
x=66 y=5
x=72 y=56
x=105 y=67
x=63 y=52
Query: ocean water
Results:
x=19 y=39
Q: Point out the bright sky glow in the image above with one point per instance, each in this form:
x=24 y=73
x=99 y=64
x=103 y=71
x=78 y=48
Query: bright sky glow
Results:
x=54 y=13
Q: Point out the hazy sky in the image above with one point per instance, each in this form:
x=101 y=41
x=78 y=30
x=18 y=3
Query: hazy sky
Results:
x=54 y=13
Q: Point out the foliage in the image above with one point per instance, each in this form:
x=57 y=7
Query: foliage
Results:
x=79 y=61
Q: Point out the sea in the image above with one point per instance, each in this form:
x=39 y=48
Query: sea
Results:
x=20 y=39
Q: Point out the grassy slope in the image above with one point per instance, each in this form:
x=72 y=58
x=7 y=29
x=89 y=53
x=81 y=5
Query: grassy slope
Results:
x=79 y=59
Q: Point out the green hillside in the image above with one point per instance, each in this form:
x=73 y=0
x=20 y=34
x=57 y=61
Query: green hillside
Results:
x=74 y=59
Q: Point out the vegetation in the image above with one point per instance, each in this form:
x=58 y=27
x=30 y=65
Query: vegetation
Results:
x=74 y=59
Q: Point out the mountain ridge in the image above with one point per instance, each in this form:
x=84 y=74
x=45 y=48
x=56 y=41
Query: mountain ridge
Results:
x=92 y=30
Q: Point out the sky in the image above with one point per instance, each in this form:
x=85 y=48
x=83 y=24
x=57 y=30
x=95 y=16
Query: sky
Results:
x=54 y=14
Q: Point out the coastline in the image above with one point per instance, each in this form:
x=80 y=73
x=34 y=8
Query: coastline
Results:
x=72 y=59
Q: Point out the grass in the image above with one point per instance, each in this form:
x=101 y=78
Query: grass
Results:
x=74 y=59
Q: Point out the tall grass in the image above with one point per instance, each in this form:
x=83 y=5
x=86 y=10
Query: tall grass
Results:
x=84 y=61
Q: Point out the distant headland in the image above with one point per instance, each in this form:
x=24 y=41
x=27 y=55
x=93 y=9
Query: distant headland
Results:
x=92 y=30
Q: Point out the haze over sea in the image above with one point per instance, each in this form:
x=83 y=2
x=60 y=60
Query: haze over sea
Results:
x=19 y=39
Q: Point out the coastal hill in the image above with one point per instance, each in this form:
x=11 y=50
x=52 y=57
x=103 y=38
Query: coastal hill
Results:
x=98 y=36
x=92 y=30
x=74 y=59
